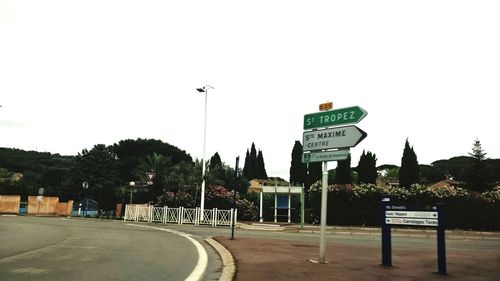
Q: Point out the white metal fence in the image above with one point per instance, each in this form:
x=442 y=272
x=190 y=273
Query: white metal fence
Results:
x=181 y=215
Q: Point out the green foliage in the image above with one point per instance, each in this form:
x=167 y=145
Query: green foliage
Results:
x=261 y=167
x=476 y=174
x=176 y=199
x=367 y=168
x=298 y=170
x=215 y=161
x=39 y=169
x=393 y=173
x=360 y=204
x=99 y=167
x=409 y=172
x=315 y=173
x=477 y=151
x=247 y=210
x=343 y=171
x=132 y=152
x=254 y=167
x=429 y=175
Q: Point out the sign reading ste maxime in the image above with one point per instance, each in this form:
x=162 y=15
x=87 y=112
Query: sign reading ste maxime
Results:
x=341 y=137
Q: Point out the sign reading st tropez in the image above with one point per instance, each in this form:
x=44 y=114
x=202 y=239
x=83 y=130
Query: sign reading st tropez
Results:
x=342 y=116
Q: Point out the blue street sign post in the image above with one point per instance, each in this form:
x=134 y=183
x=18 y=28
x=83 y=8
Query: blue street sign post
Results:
x=386 y=235
x=413 y=215
x=441 y=242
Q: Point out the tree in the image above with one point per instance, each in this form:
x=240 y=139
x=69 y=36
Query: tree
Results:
x=214 y=161
x=429 y=174
x=343 y=171
x=409 y=173
x=261 y=167
x=250 y=168
x=367 y=168
x=298 y=170
x=99 y=167
x=246 y=167
x=315 y=173
x=216 y=174
x=253 y=162
x=131 y=152
x=475 y=173
x=158 y=164
x=254 y=167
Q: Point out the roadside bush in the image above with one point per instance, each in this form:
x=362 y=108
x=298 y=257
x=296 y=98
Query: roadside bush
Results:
x=176 y=199
x=247 y=211
x=360 y=205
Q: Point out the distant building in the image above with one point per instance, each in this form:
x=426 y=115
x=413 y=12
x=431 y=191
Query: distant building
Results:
x=446 y=184
x=256 y=184
x=387 y=182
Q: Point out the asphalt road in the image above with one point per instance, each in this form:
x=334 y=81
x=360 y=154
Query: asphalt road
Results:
x=42 y=248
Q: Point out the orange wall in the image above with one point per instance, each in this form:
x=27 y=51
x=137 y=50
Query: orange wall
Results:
x=9 y=204
x=48 y=205
x=65 y=208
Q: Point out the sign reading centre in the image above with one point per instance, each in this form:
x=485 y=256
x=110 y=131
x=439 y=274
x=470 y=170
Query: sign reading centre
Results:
x=340 y=137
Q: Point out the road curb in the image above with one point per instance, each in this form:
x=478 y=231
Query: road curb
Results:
x=228 y=265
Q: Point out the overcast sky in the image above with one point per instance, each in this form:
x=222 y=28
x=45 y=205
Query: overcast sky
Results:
x=77 y=73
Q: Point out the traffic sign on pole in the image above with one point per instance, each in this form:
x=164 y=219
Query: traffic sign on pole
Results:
x=342 y=116
x=340 y=137
x=321 y=156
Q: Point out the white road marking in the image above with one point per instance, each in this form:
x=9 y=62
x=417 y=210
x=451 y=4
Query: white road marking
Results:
x=202 y=263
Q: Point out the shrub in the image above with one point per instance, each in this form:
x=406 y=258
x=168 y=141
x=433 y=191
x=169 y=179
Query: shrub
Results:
x=176 y=199
x=360 y=204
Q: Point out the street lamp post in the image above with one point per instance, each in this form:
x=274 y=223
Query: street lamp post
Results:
x=85 y=185
x=202 y=197
x=132 y=184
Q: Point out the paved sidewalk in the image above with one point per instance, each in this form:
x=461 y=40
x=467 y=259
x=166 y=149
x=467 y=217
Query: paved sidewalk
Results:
x=274 y=259
x=371 y=231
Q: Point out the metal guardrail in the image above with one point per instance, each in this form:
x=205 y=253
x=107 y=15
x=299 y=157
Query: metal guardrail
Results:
x=181 y=215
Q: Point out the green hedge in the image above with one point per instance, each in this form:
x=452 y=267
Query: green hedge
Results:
x=359 y=205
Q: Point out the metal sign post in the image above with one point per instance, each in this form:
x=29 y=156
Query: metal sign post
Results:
x=324 y=201
x=322 y=134
x=234 y=197
x=85 y=186
x=386 y=235
x=441 y=241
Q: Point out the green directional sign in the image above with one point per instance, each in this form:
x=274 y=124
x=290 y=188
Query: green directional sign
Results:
x=342 y=116
x=323 y=156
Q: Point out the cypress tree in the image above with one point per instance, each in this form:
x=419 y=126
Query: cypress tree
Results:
x=315 y=172
x=362 y=168
x=252 y=168
x=261 y=166
x=367 y=168
x=246 y=167
x=298 y=170
x=410 y=171
x=343 y=171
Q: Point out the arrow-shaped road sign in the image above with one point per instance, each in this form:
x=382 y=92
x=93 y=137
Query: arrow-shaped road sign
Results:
x=341 y=116
x=341 y=137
